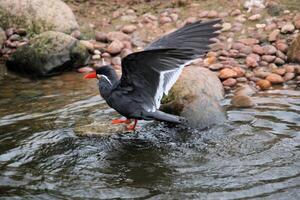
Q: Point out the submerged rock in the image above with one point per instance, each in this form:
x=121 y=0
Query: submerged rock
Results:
x=196 y=96
x=48 y=54
x=37 y=16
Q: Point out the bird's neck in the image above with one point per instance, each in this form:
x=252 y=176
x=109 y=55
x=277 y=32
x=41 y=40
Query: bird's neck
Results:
x=107 y=82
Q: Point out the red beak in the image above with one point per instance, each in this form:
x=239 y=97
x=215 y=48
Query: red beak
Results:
x=90 y=75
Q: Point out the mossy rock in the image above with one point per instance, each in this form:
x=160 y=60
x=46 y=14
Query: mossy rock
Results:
x=37 y=16
x=294 y=50
x=48 y=54
x=196 y=96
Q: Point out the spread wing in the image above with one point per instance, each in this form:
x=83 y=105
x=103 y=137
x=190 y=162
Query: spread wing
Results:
x=151 y=73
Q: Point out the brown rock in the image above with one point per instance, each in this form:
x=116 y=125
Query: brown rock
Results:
x=289 y=68
x=279 y=61
x=275 y=78
x=269 y=49
x=268 y=58
x=297 y=23
x=273 y=35
x=261 y=73
x=258 y=49
x=164 y=20
x=270 y=27
x=252 y=60
x=227 y=73
x=279 y=71
x=263 y=84
x=236 y=12
x=100 y=36
x=212 y=14
x=216 y=66
x=240 y=71
x=125 y=52
x=288 y=28
x=129 y=28
x=230 y=82
x=283 y=47
x=289 y=76
x=115 y=47
x=293 y=53
x=242 y=101
x=249 y=41
x=254 y=17
x=116 y=60
x=88 y=45
x=117 y=35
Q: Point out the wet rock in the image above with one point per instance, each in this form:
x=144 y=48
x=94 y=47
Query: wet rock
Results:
x=280 y=71
x=288 y=28
x=226 y=27
x=275 y=78
x=117 y=35
x=227 y=73
x=230 y=82
x=216 y=66
x=258 y=49
x=196 y=96
x=268 y=58
x=293 y=53
x=129 y=28
x=37 y=16
x=282 y=46
x=242 y=101
x=264 y=84
x=273 y=35
x=261 y=73
x=252 y=60
x=290 y=68
x=115 y=47
x=279 y=61
x=49 y=53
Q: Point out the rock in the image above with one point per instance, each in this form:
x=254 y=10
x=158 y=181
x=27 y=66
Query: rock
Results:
x=125 y=52
x=2 y=37
x=288 y=28
x=212 y=14
x=226 y=27
x=117 y=35
x=227 y=73
x=246 y=50
x=240 y=71
x=293 y=53
x=76 y=34
x=268 y=58
x=129 y=28
x=249 y=41
x=258 y=50
x=87 y=44
x=101 y=37
x=271 y=27
x=115 y=47
x=229 y=82
x=48 y=54
x=203 y=14
x=37 y=16
x=275 y=78
x=216 y=66
x=297 y=23
x=196 y=96
x=261 y=73
x=236 y=12
x=254 y=17
x=174 y=17
x=116 y=60
x=269 y=49
x=242 y=101
x=252 y=60
x=264 y=84
x=279 y=61
x=289 y=76
x=164 y=20
x=290 y=68
x=273 y=35
x=96 y=57
x=283 y=47
x=280 y=71
x=274 y=8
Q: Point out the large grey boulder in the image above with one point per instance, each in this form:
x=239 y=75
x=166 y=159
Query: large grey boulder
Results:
x=196 y=96
x=49 y=53
x=37 y=16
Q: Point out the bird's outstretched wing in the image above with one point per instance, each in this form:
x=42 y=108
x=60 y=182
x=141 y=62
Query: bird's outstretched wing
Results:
x=152 y=72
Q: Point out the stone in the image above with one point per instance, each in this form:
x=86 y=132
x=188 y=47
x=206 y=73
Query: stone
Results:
x=289 y=68
x=212 y=14
x=264 y=84
x=125 y=52
x=101 y=37
x=226 y=27
x=230 y=82
x=279 y=61
x=269 y=49
x=236 y=12
x=116 y=60
x=293 y=53
x=227 y=73
x=288 y=28
x=246 y=50
x=164 y=20
x=129 y=28
x=242 y=101
x=254 y=17
x=249 y=41
x=297 y=23
x=115 y=47
x=96 y=57
x=275 y=78
x=258 y=49
x=280 y=71
x=268 y=58
x=273 y=35
x=216 y=66
x=48 y=54
x=117 y=35
x=2 y=37
x=240 y=71
x=37 y=16
x=289 y=76
x=87 y=44
x=261 y=73
x=252 y=60
x=196 y=97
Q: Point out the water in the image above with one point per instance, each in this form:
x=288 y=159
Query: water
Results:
x=255 y=155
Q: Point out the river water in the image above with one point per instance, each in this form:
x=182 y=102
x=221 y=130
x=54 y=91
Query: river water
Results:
x=254 y=155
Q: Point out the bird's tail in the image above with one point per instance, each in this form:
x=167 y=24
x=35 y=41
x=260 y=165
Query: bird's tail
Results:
x=165 y=117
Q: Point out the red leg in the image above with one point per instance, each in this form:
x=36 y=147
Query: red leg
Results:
x=132 y=127
x=120 y=121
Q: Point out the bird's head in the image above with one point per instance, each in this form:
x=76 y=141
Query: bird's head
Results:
x=101 y=71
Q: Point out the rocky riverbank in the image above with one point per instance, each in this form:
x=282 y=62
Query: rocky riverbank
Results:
x=257 y=47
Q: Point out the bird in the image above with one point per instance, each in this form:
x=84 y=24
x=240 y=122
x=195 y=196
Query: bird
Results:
x=149 y=74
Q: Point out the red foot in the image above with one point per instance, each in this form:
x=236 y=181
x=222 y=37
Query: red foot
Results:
x=120 y=121
x=132 y=127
